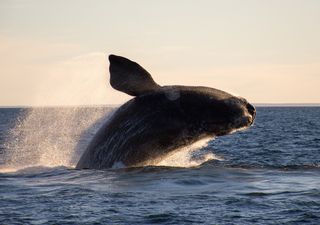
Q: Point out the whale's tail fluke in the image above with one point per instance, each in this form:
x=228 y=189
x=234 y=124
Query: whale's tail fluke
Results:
x=129 y=77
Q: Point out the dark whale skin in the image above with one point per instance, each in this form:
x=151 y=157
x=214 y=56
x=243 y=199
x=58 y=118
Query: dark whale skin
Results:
x=149 y=127
x=160 y=120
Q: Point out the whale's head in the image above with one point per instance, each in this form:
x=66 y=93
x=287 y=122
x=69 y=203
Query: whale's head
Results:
x=211 y=110
x=221 y=113
x=226 y=113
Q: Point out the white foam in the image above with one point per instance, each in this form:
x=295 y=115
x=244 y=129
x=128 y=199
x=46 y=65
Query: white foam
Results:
x=189 y=156
x=50 y=137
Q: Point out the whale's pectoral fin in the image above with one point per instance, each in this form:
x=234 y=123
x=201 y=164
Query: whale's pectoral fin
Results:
x=129 y=77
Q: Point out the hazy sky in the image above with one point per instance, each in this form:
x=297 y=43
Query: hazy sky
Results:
x=54 y=52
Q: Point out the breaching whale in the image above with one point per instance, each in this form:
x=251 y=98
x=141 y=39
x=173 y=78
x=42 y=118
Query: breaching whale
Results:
x=160 y=119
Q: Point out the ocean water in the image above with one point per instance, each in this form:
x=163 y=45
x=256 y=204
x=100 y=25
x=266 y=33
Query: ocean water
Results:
x=268 y=174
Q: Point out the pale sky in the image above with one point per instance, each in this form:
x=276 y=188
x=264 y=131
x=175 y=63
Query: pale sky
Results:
x=55 y=52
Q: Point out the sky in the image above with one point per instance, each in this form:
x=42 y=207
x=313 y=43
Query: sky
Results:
x=55 y=52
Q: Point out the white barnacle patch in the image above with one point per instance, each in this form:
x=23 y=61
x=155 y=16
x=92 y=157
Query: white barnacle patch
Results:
x=172 y=94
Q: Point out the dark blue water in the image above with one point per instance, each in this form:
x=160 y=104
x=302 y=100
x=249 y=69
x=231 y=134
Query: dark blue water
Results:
x=270 y=175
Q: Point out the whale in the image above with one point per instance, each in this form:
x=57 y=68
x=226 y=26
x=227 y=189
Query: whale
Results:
x=159 y=120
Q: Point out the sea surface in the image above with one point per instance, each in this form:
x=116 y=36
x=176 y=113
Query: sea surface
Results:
x=268 y=174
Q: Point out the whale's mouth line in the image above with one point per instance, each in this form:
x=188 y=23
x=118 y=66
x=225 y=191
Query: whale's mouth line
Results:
x=239 y=123
x=239 y=129
x=242 y=128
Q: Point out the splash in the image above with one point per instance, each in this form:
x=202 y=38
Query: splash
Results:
x=190 y=156
x=51 y=137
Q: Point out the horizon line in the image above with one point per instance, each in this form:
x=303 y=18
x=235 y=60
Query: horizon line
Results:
x=114 y=105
